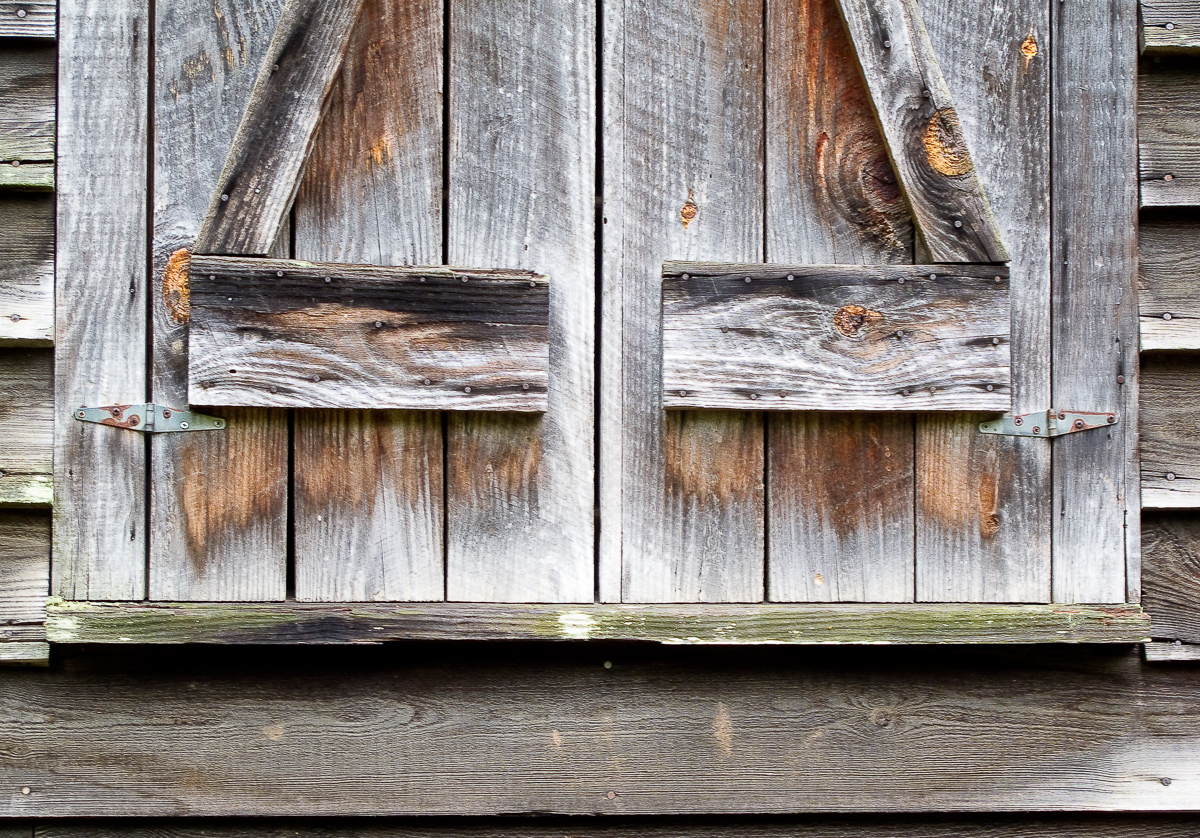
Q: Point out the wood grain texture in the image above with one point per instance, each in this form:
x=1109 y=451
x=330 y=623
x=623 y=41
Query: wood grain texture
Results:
x=1176 y=652
x=33 y=177
x=1171 y=574
x=1096 y=506
x=1169 y=274
x=1170 y=27
x=27 y=427
x=826 y=337
x=26 y=270
x=262 y=172
x=27 y=77
x=368 y=485
x=522 y=179
x=839 y=487
x=1169 y=434
x=683 y=173
x=100 y=297
x=25 y=653
x=984 y=501
x=933 y=730
x=39 y=20
x=1169 y=138
x=275 y=333
x=921 y=127
x=24 y=576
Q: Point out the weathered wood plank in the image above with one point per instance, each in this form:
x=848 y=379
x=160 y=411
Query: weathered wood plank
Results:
x=35 y=177
x=218 y=507
x=839 y=486
x=368 y=485
x=1169 y=273
x=366 y=337
x=683 y=173
x=710 y=624
x=1169 y=138
x=24 y=576
x=25 y=653
x=262 y=172
x=984 y=501
x=38 y=21
x=26 y=270
x=27 y=423
x=27 y=94
x=921 y=126
x=1171 y=575
x=1176 y=652
x=522 y=194
x=809 y=337
x=1096 y=505
x=1170 y=26
x=100 y=297
x=1170 y=437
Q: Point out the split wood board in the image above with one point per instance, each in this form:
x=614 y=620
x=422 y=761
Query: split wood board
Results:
x=1170 y=26
x=843 y=338
x=283 y=333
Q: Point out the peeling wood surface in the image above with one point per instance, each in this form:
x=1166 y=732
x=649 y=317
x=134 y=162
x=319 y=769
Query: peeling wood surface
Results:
x=1169 y=137
x=921 y=126
x=368 y=488
x=39 y=20
x=27 y=98
x=1169 y=432
x=368 y=338
x=26 y=270
x=1170 y=26
x=1169 y=270
x=27 y=420
x=1171 y=575
x=24 y=576
x=99 y=476
x=840 y=338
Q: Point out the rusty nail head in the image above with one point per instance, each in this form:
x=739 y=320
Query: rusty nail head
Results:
x=1036 y=429
x=1062 y=415
x=116 y=411
x=1111 y=419
x=1017 y=420
x=166 y=414
x=134 y=420
x=1120 y=379
x=1079 y=424
x=81 y=414
x=1170 y=475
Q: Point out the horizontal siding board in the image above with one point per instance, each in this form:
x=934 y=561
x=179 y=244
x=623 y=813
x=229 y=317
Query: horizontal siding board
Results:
x=27 y=79
x=1169 y=137
x=26 y=426
x=1169 y=271
x=26 y=269
x=34 y=177
x=1170 y=26
x=39 y=21
x=1170 y=435
x=24 y=576
x=1171 y=575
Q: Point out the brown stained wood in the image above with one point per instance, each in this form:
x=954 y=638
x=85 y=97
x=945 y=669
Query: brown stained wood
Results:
x=1168 y=111
x=522 y=194
x=1171 y=574
x=27 y=79
x=925 y=140
x=807 y=337
x=683 y=175
x=38 y=21
x=26 y=270
x=1095 y=539
x=1176 y=652
x=1170 y=437
x=1169 y=275
x=100 y=305
x=218 y=501
x=984 y=501
x=840 y=523
x=26 y=426
x=368 y=485
x=24 y=576
x=429 y=338
x=262 y=172
x=1170 y=27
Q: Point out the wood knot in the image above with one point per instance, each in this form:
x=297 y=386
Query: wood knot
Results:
x=849 y=319
x=689 y=211
x=945 y=147
x=175 y=289
x=1029 y=50
x=989 y=525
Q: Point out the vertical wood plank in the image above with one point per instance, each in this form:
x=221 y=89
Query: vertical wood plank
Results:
x=840 y=486
x=1094 y=272
x=983 y=502
x=522 y=195
x=100 y=297
x=218 y=500
x=683 y=179
x=368 y=484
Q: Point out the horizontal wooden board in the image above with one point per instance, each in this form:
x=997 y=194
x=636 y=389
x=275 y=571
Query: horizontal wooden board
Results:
x=721 y=624
x=24 y=576
x=1169 y=137
x=1170 y=26
x=283 y=333
x=26 y=269
x=1170 y=434
x=838 y=337
x=39 y=21
x=1171 y=574
x=27 y=98
x=26 y=427
x=1177 y=652
x=36 y=177
x=1169 y=269
x=25 y=653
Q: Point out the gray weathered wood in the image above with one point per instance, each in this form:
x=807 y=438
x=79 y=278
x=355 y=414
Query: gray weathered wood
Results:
x=1170 y=26
x=1169 y=138
x=1169 y=272
x=839 y=486
x=100 y=297
x=1096 y=506
x=808 y=337
x=27 y=74
x=916 y=111
x=522 y=180
x=367 y=494
x=26 y=270
x=262 y=172
x=24 y=576
x=39 y=20
x=1171 y=575
x=369 y=337
x=1176 y=652
x=27 y=427
x=682 y=496
x=983 y=502
x=25 y=653
x=35 y=177
x=709 y=624
x=218 y=501
x=1170 y=434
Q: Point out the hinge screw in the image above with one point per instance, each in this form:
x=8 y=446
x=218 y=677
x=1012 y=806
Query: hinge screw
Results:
x=166 y=414
x=1017 y=420
x=1079 y=424
x=1062 y=416
x=116 y=411
x=184 y=425
x=1111 y=419
x=1036 y=429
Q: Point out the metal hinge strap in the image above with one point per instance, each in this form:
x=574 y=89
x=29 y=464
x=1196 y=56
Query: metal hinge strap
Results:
x=1048 y=423
x=149 y=418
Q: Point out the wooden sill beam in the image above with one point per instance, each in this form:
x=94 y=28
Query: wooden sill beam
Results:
x=750 y=624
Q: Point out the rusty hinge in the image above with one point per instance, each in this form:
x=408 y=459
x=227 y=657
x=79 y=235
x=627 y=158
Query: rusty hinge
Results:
x=149 y=418
x=1048 y=423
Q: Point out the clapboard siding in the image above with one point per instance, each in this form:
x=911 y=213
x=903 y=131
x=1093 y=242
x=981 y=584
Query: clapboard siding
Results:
x=27 y=78
x=1170 y=26
x=26 y=427
x=38 y=21
x=1169 y=136
x=26 y=269
x=1170 y=433
x=24 y=576
x=1171 y=574
x=1169 y=267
